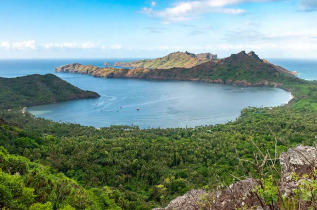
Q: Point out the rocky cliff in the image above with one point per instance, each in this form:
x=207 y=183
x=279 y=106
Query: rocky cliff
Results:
x=177 y=59
x=240 y=69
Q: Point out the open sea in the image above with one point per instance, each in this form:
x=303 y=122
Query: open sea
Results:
x=163 y=104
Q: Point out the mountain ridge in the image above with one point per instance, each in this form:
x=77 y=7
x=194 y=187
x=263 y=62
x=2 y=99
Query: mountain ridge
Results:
x=176 y=59
x=239 y=69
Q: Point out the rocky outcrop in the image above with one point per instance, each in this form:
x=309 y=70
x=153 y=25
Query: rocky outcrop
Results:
x=191 y=200
x=300 y=160
x=240 y=195
x=106 y=64
x=252 y=54
x=237 y=195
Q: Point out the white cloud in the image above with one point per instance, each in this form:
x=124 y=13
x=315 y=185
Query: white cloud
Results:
x=30 y=44
x=186 y=10
x=88 y=45
x=153 y=4
x=23 y=45
x=5 y=45
x=116 y=47
x=70 y=45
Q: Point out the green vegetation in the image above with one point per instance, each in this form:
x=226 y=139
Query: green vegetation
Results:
x=177 y=59
x=125 y=167
x=27 y=185
x=303 y=197
x=38 y=89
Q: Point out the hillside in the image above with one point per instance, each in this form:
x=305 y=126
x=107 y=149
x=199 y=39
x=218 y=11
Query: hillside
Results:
x=38 y=89
x=28 y=185
x=177 y=59
x=241 y=69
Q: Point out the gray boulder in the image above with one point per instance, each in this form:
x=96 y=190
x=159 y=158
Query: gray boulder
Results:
x=301 y=160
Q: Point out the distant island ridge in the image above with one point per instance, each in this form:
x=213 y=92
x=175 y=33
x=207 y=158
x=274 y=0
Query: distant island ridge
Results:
x=239 y=69
x=176 y=59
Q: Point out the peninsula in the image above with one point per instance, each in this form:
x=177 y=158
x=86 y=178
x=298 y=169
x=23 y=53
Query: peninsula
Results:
x=240 y=69
x=38 y=89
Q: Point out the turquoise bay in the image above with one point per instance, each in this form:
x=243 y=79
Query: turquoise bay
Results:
x=163 y=104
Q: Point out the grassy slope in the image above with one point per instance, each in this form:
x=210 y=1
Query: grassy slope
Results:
x=178 y=59
x=38 y=89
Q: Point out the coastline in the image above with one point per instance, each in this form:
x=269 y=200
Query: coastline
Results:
x=237 y=114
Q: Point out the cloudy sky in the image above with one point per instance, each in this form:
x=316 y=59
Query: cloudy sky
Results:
x=146 y=29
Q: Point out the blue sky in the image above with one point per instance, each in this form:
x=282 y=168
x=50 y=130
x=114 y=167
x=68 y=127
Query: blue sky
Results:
x=145 y=28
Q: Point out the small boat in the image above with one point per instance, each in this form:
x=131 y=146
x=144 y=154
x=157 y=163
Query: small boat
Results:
x=137 y=109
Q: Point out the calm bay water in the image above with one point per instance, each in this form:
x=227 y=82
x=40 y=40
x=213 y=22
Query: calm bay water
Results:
x=161 y=103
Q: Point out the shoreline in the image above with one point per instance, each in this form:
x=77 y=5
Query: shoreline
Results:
x=289 y=101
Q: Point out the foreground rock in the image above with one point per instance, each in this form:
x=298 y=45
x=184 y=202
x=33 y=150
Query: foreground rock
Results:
x=300 y=160
x=191 y=200
x=237 y=195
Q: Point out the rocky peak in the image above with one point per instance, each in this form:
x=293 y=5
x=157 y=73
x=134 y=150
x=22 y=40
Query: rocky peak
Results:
x=242 y=53
x=239 y=56
x=208 y=56
x=253 y=55
x=190 y=54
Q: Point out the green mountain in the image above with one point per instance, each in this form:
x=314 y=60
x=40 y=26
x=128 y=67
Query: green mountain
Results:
x=177 y=59
x=241 y=69
x=38 y=89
